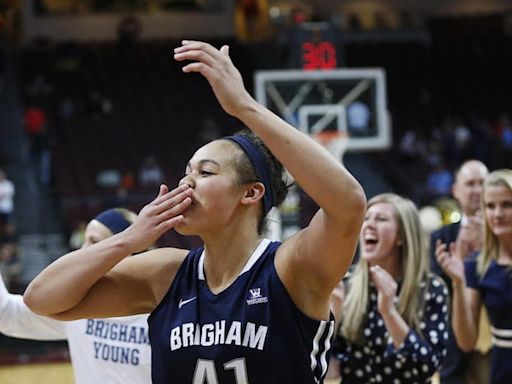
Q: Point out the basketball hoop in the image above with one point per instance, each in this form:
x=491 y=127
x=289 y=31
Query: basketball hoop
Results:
x=336 y=142
x=315 y=101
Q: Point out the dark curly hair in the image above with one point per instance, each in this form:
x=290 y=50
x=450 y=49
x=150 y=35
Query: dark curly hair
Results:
x=247 y=173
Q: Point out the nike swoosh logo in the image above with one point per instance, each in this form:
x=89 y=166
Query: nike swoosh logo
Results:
x=183 y=302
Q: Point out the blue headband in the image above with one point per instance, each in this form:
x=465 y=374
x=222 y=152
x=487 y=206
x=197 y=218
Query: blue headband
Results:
x=113 y=220
x=258 y=162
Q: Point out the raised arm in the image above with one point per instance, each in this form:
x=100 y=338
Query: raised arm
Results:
x=466 y=301
x=17 y=320
x=97 y=281
x=312 y=262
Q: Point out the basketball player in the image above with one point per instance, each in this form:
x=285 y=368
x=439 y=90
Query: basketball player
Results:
x=240 y=309
x=114 y=350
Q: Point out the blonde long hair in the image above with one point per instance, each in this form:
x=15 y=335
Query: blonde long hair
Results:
x=490 y=246
x=414 y=269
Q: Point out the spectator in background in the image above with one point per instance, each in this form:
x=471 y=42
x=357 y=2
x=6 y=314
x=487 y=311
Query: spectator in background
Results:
x=439 y=180
x=506 y=137
x=35 y=122
x=504 y=132
x=67 y=109
x=10 y=267
x=98 y=106
x=108 y=178
x=483 y=146
x=77 y=238
x=395 y=313
x=407 y=145
x=128 y=181
x=150 y=173
x=462 y=143
x=413 y=146
x=358 y=117
x=125 y=187
x=486 y=279
x=250 y=12
x=6 y=204
x=128 y=32
x=467 y=190
x=39 y=86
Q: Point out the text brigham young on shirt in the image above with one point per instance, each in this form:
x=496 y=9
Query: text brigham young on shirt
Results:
x=247 y=335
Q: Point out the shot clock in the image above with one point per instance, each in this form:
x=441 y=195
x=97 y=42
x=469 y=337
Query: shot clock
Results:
x=315 y=46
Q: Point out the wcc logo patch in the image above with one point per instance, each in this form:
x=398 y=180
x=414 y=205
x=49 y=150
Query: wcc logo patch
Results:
x=255 y=297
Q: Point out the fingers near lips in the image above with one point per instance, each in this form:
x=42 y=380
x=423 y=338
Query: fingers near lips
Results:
x=175 y=201
x=164 y=193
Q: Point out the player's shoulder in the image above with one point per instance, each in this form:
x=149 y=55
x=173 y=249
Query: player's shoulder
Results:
x=159 y=267
x=163 y=260
x=156 y=259
x=164 y=255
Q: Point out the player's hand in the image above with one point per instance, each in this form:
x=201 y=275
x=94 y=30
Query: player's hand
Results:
x=158 y=217
x=451 y=260
x=216 y=66
x=386 y=287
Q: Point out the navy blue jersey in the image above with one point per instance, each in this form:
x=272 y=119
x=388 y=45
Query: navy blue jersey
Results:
x=251 y=332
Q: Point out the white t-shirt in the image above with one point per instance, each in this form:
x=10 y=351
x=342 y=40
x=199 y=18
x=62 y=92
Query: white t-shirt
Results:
x=114 y=350
x=103 y=351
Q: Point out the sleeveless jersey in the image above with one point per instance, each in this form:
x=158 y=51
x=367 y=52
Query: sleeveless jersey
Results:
x=251 y=332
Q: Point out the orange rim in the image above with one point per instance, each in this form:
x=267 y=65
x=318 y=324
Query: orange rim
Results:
x=325 y=137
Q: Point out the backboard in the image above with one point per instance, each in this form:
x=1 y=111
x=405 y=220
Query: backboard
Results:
x=348 y=100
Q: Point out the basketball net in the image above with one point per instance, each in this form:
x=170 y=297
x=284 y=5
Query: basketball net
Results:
x=336 y=142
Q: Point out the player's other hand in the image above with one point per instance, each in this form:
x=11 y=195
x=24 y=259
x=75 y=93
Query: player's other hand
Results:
x=216 y=66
